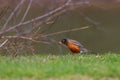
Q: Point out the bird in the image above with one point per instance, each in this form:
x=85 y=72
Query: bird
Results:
x=73 y=45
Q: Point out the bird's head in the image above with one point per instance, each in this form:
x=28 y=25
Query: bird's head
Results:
x=64 y=41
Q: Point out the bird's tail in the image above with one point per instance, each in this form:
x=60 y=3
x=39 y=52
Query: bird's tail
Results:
x=84 y=50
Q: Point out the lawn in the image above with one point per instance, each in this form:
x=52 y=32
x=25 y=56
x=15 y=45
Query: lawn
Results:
x=61 y=67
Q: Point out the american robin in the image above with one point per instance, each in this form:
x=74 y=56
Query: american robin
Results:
x=73 y=45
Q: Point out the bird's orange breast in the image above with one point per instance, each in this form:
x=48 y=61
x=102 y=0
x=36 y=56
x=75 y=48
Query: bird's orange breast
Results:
x=74 y=48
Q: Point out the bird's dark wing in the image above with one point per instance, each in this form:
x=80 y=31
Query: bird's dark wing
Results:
x=76 y=43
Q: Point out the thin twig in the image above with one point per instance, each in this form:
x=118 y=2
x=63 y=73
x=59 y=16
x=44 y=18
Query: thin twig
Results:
x=19 y=29
x=4 y=43
x=65 y=31
x=25 y=38
x=27 y=10
x=37 y=18
x=12 y=14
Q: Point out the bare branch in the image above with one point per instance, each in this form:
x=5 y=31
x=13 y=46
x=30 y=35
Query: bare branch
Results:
x=37 y=18
x=24 y=38
x=65 y=31
x=12 y=14
x=4 y=43
x=27 y=10
x=19 y=29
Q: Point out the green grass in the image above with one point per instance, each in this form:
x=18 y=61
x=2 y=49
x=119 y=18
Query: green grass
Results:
x=56 y=67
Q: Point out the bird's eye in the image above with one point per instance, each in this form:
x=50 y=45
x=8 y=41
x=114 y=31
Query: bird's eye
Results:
x=64 y=41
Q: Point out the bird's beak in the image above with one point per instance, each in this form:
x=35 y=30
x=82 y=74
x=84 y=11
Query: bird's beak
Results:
x=59 y=42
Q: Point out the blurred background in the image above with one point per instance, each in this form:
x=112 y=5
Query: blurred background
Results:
x=102 y=15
